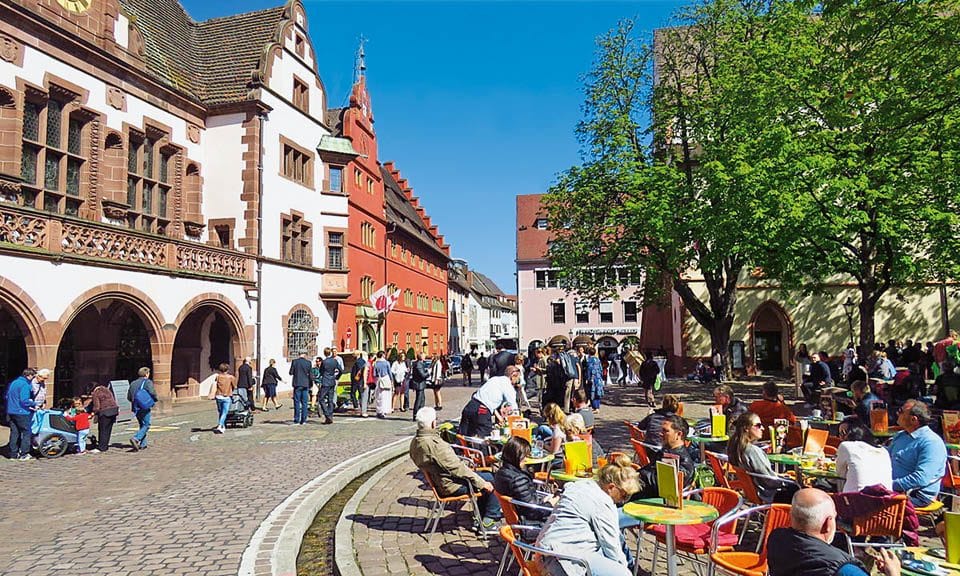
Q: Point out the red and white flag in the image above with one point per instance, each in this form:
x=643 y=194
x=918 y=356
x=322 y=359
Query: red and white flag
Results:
x=383 y=301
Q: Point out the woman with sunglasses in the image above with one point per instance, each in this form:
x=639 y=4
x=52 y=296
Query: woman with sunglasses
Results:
x=743 y=453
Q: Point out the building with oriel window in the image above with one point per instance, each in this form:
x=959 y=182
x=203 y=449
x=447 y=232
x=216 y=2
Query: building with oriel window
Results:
x=172 y=196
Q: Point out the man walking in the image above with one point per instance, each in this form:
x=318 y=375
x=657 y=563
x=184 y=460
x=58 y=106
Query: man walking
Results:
x=329 y=374
x=245 y=382
x=142 y=396
x=499 y=361
x=418 y=382
x=466 y=366
x=300 y=372
x=481 y=367
x=20 y=408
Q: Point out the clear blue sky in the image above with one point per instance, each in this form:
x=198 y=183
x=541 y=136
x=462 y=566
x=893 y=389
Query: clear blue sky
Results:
x=476 y=102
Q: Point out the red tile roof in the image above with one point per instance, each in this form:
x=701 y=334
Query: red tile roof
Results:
x=531 y=242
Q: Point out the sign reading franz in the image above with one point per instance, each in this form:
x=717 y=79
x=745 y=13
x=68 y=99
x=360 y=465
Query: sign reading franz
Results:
x=622 y=330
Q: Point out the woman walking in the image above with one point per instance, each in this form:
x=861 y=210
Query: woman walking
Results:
x=436 y=381
x=384 y=386
x=103 y=404
x=222 y=390
x=399 y=371
x=594 y=379
x=270 y=379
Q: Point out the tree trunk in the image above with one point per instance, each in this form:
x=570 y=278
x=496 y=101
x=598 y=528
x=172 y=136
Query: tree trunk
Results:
x=720 y=340
x=868 y=307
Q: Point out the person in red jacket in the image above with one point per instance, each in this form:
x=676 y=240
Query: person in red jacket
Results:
x=81 y=419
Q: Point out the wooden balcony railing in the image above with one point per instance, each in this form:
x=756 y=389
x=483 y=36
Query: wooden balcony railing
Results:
x=65 y=238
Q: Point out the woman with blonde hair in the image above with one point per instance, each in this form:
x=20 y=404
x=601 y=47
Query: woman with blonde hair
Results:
x=585 y=523
x=552 y=429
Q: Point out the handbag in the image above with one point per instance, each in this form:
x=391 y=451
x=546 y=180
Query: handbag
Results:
x=142 y=400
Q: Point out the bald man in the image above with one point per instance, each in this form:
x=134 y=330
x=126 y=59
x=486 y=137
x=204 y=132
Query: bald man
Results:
x=804 y=548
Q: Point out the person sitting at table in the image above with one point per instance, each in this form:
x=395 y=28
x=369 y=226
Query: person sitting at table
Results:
x=863 y=399
x=743 y=453
x=732 y=406
x=947 y=387
x=652 y=423
x=551 y=431
x=477 y=417
x=819 y=378
x=860 y=461
x=771 y=407
x=513 y=480
x=447 y=472
x=805 y=548
x=582 y=407
x=673 y=431
x=918 y=454
x=585 y=523
x=882 y=367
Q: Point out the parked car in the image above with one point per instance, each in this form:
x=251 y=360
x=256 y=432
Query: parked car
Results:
x=454 y=365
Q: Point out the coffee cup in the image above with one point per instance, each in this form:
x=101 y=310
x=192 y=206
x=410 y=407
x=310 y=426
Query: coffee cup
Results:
x=816 y=414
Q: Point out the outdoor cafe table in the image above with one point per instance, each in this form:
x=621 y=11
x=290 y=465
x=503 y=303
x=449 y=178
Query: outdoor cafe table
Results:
x=797 y=463
x=653 y=511
x=922 y=554
x=562 y=476
x=703 y=441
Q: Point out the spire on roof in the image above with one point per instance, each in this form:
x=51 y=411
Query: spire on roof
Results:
x=361 y=64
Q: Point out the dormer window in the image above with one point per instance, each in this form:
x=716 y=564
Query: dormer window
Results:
x=540 y=224
x=301 y=95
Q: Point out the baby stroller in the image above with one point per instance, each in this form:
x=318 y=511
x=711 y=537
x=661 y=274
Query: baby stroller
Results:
x=54 y=435
x=240 y=414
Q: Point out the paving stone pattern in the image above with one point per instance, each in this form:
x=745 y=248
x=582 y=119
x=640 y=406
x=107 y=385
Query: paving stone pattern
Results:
x=187 y=505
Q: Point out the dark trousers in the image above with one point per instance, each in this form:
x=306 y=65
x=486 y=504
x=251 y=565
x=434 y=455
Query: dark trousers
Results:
x=488 y=503
x=19 y=435
x=328 y=400
x=104 y=430
x=475 y=420
x=421 y=397
x=469 y=375
x=356 y=388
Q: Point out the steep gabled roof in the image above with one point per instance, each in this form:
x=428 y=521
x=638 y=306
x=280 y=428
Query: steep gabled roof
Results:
x=211 y=61
x=402 y=213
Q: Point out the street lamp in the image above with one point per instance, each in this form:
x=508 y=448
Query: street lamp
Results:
x=848 y=307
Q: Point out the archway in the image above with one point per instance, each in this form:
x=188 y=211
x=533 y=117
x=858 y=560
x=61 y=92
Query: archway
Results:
x=369 y=341
x=13 y=347
x=207 y=337
x=771 y=337
x=106 y=340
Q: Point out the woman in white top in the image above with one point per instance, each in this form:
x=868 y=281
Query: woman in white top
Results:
x=585 y=523
x=399 y=371
x=861 y=461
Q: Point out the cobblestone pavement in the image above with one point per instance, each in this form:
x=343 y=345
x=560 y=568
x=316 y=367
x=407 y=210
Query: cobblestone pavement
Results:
x=187 y=505
x=389 y=525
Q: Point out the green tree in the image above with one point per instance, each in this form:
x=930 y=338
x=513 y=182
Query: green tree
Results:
x=651 y=197
x=866 y=119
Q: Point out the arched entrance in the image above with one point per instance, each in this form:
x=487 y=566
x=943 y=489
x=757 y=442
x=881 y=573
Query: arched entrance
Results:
x=369 y=342
x=13 y=347
x=206 y=338
x=106 y=340
x=771 y=336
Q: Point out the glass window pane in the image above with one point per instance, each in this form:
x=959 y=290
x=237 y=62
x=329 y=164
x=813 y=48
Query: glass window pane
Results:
x=162 y=212
x=54 y=114
x=73 y=176
x=335 y=254
x=132 y=157
x=72 y=207
x=31 y=121
x=147 y=198
x=148 y=159
x=28 y=167
x=336 y=179
x=164 y=168
x=74 y=137
x=51 y=202
x=51 y=172
x=132 y=193
x=29 y=198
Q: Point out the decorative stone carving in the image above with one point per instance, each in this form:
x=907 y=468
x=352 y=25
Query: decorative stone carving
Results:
x=9 y=190
x=193 y=133
x=115 y=210
x=11 y=50
x=116 y=98
x=193 y=229
x=22 y=229
x=207 y=261
x=112 y=245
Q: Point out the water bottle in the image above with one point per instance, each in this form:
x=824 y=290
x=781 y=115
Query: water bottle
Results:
x=538 y=449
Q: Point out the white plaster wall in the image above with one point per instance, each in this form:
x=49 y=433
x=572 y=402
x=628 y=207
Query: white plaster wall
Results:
x=121 y=30
x=222 y=170
x=285 y=66
x=36 y=64
x=55 y=286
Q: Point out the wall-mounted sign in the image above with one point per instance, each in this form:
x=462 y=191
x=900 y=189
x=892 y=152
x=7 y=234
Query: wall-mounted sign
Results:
x=612 y=331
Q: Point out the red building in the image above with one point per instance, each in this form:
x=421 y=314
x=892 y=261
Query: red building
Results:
x=390 y=240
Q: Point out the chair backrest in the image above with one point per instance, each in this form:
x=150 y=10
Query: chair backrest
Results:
x=885 y=518
x=834 y=441
x=640 y=450
x=510 y=538
x=816 y=440
x=479 y=460
x=635 y=433
x=426 y=478
x=725 y=501
x=510 y=515
x=742 y=482
x=778 y=516
x=525 y=433
x=719 y=468
x=829 y=450
x=794 y=438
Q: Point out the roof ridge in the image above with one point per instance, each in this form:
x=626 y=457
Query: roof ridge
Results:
x=218 y=19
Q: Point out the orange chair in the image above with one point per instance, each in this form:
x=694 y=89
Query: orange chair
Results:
x=749 y=563
x=829 y=450
x=719 y=467
x=511 y=517
x=635 y=433
x=882 y=521
x=816 y=440
x=694 y=540
x=476 y=459
x=523 y=553
x=739 y=479
x=480 y=452
x=640 y=449
x=441 y=502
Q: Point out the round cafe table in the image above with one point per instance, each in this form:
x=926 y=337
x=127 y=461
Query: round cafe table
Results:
x=923 y=554
x=703 y=441
x=653 y=511
x=562 y=476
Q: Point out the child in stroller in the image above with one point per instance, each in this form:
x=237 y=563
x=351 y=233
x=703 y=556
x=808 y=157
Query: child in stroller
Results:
x=53 y=434
x=240 y=414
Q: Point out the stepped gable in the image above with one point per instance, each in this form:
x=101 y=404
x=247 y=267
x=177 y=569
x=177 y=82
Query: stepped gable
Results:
x=404 y=210
x=215 y=61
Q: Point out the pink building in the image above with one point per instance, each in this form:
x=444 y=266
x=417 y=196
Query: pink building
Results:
x=546 y=310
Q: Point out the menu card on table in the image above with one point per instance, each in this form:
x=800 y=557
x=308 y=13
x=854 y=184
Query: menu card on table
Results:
x=670 y=481
x=576 y=457
x=951 y=535
x=718 y=422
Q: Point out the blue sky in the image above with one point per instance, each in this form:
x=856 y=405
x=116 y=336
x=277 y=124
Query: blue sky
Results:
x=476 y=102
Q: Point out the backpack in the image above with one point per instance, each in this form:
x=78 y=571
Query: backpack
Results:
x=142 y=400
x=569 y=366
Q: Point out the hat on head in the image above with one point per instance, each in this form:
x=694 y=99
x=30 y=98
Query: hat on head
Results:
x=559 y=341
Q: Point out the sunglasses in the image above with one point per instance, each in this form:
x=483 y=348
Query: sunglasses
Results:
x=757 y=425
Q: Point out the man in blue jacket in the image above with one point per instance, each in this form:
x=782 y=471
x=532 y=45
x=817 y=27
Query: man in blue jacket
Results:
x=20 y=411
x=302 y=380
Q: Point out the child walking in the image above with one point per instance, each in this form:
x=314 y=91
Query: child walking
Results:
x=81 y=419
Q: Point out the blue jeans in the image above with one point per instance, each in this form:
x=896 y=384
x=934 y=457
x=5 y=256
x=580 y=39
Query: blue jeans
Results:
x=223 y=407
x=327 y=401
x=143 y=417
x=488 y=503
x=82 y=440
x=301 y=405
x=19 y=434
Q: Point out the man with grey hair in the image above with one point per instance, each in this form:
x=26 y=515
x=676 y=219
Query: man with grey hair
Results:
x=804 y=549
x=447 y=472
x=918 y=455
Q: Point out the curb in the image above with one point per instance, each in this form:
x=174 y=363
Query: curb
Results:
x=344 y=559
x=273 y=548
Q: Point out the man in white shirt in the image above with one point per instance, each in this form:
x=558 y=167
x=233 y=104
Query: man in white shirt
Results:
x=478 y=415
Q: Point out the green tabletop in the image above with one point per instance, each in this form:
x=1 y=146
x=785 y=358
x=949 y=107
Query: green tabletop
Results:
x=921 y=554
x=953 y=446
x=564 y=477
x=707 y=439
x=652 y=511
x=785 y=459
x=821 y=473
x=887 y=434
x=531 y=461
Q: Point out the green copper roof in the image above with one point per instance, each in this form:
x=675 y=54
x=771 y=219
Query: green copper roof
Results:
x=336 y=146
